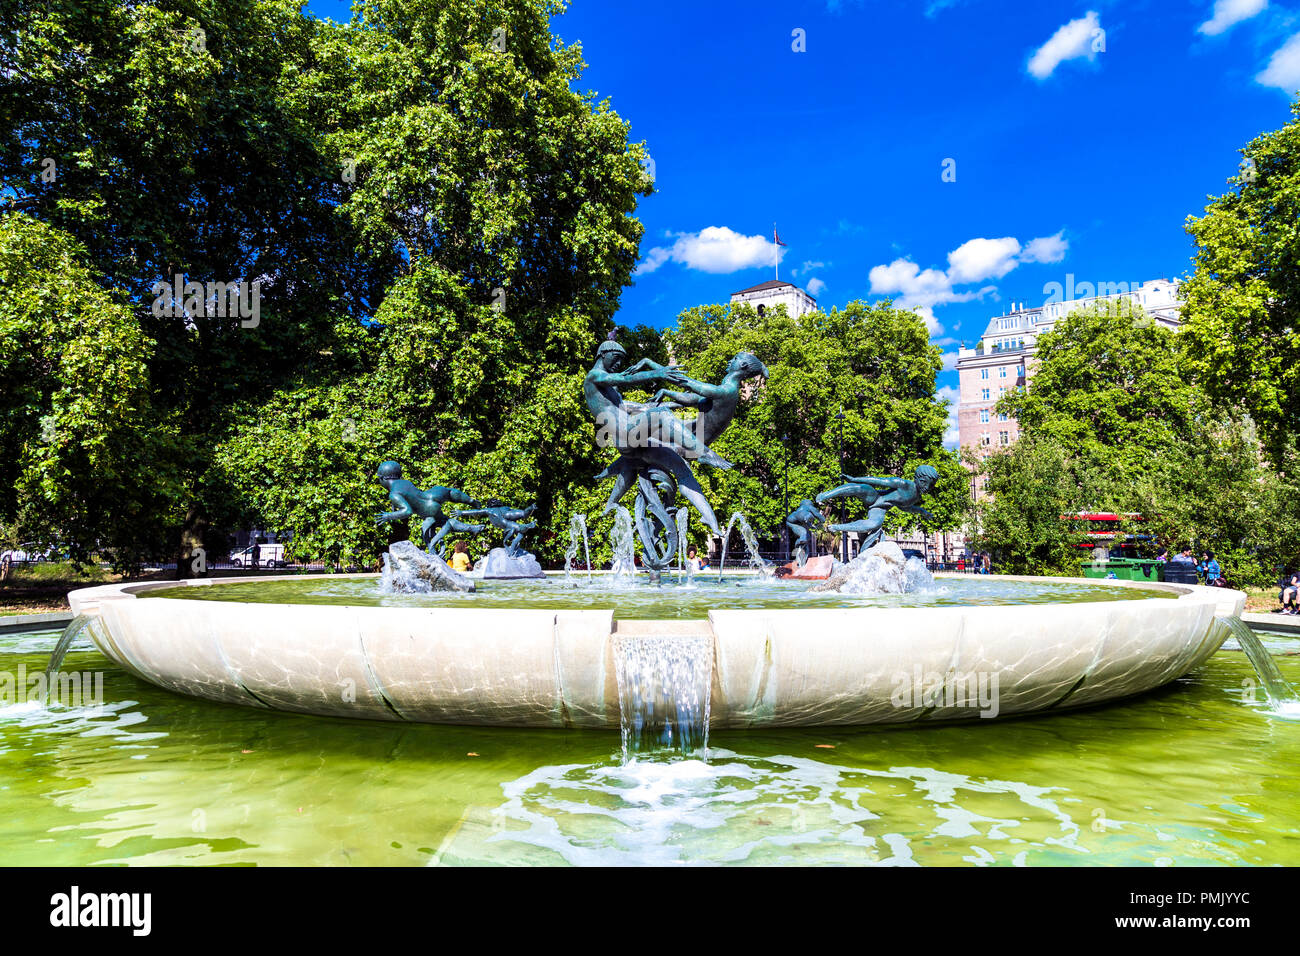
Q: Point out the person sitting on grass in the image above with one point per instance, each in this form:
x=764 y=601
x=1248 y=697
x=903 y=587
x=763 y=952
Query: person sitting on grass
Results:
x=460 y=561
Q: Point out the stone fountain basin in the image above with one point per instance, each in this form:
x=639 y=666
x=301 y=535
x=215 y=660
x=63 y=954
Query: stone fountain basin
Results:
x=549 y=668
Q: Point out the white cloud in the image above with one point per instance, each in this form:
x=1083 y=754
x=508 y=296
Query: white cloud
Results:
x=715 y=249
x=816 y=287
x=973 y=261
x=980 y=259
x=808 y=266
x=1075 y=39
x=1283 y=70
x=1046 y=248
x=949 y=360
x=951 y=435
x=1228 y=13
x=916 y=287
x=653 y=260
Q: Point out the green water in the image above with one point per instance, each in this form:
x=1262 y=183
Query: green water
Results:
x=1195 y=774
x=648 y=602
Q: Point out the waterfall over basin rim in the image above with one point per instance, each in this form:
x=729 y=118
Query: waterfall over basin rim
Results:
x=556 y=668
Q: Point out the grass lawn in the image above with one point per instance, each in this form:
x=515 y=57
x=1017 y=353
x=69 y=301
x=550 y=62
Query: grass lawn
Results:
x=1261 y=600
x=43 y=588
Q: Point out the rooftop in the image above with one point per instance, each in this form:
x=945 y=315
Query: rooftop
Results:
x=771 y=284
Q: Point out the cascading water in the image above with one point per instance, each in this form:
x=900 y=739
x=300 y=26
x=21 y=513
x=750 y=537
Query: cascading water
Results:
x=624 y=544
x=65 y=641
x=1282 y=697
x=683 y=521
x=577 y=535
x=751 y=544
x=664 y=684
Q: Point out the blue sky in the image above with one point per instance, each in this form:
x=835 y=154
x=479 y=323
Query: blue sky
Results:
x=1094 y=128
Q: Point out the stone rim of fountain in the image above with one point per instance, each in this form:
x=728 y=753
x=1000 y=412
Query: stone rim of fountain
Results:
x=542 y=668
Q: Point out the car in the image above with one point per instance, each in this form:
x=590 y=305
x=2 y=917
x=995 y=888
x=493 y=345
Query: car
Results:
x=271 y=556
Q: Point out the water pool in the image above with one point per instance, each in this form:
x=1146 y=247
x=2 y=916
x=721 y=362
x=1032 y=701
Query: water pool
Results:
x=1197 y=773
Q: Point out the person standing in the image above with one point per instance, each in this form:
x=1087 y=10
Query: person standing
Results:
x=1213 y=573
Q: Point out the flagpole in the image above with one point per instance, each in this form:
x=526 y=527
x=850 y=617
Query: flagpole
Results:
x=776 y=253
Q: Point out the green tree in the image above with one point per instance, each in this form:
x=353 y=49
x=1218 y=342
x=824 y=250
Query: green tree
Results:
x=508 y=200
x=1113 y=422
x=1243 y=301
x=85 y=460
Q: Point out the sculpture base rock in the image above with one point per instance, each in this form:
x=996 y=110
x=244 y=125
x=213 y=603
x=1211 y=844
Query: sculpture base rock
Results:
x=410 y=570
x=500 y=563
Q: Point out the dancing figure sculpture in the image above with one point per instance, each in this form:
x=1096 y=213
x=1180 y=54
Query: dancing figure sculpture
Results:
x=506 y=518
x=654 y=445
x=801 y=523
x=412 y=502
x=881 y=494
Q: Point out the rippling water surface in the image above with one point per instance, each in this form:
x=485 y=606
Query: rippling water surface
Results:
x=1197 y=773
x=646 y=601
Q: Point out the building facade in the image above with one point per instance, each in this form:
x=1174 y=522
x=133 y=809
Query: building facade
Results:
x=770 y=294
x=1003 y=357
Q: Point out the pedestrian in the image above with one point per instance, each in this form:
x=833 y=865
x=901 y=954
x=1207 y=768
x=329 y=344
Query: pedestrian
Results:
x=692 y=561
x=460 y=558
x=1290 y=596
x=257 y=553
x=1213 y=573
x=704 y=562
x=1163 y=556
x=6 y=565
x=986 y=565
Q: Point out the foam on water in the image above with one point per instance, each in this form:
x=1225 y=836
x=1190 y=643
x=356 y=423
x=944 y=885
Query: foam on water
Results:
x=737 y=809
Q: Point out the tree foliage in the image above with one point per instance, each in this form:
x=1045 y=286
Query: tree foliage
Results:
x=1113 y=422
x=1243 y=301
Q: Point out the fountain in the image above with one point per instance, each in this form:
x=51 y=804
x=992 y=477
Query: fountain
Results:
x=1282 y=697
x=744 y=650
x=623 y=546
x=577 y=536
x=747 y=535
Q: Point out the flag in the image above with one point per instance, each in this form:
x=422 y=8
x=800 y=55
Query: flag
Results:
x=776 y=238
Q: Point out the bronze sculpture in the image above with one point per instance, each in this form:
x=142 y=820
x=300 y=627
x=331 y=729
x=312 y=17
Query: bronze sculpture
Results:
x=880 y=495
x=801 y=523
x=654 y=445
x=502 y=516
x=427 y=504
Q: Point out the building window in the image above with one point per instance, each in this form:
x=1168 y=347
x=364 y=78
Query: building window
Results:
x=1002 y=372
x=984 y=416
x=984 y=394
x=1004 y=438
x=984 y=439
x=984 y=373
x=1020 y=371
x=1002 y=416
x=1002 y=390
